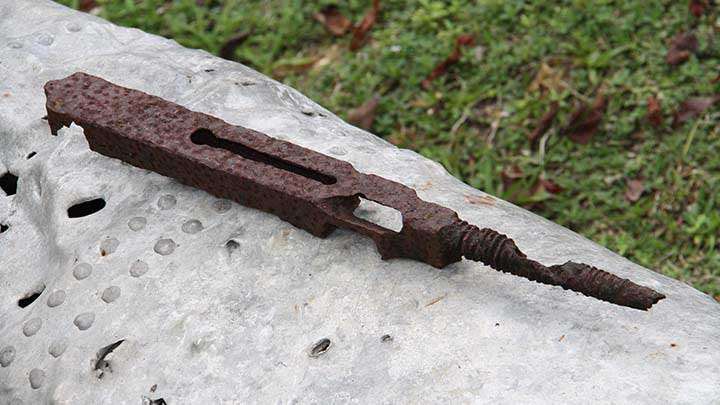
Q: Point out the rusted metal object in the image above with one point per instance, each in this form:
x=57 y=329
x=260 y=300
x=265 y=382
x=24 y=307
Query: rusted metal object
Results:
x=308 y=189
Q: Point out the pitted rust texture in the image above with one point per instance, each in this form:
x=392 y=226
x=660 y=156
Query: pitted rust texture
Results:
x=312 y=191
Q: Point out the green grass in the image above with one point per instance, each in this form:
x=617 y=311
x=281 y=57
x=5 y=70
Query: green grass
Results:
x=617 y=45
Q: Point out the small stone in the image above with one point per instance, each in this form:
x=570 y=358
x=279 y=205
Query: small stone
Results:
x=192 y=226
x=32 y=326
x=56 y=298
x=165 y=247
x=7 y=355
x=137 y=223
x=138 y=268
x=221 y=206
x=108 y=246
x=336 y=150
x=37 y=378
x=82 y=271
x=166 y=202
x=111 y=294
x=84 y=321
x=57 y=348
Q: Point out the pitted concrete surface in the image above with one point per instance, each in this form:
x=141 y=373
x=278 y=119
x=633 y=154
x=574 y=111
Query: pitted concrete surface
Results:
x=167 y=292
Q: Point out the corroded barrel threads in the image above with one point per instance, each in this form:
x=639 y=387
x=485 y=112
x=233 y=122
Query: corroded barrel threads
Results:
x=500 y=252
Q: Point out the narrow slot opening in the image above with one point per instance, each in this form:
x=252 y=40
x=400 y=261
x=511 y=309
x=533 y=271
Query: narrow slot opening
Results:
x=206 y=137
x=8 y=183
x=380 y=215
x=86 y=208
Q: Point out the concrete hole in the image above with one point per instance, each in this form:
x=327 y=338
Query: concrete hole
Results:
x=4 y=228
x=232 y=245
x=102 y=363
x=30 y=155
x=85 y=208
x=319 y=348
x=31 y=296
x=8 y=183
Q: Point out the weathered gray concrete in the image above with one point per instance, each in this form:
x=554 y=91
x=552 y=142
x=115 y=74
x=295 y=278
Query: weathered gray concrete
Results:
x=207 y=320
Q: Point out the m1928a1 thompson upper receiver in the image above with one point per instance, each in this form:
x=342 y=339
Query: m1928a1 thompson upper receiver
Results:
x=312 y=191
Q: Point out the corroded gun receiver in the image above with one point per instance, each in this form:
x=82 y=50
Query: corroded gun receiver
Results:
x=312 y=191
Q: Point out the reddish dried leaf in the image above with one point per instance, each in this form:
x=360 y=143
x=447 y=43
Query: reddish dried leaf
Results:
x=228 y=49
x=715 y=80
x=634 y=190
x=654 y=112
x=87 y=5
x=364 y=115
x=360 y=33
x=693 y=107
x=585 y=120
x=681 y=46
x=333 y=20
x=440 y=69
x=550 y=186
x=545 y=123
x=697 y=7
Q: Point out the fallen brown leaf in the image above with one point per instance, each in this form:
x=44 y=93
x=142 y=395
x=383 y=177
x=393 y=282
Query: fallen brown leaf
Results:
x=227 y=51
x=440 y=69
x=364 y=115
x=681 y=46
x=333 y=20
x=550 y=186
x=634 y=190
x=585 y=120
x=87 y=5
x=697 y=7
x=693 y=107
x=360 y=32
x=544 y=124
x=654 y=112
